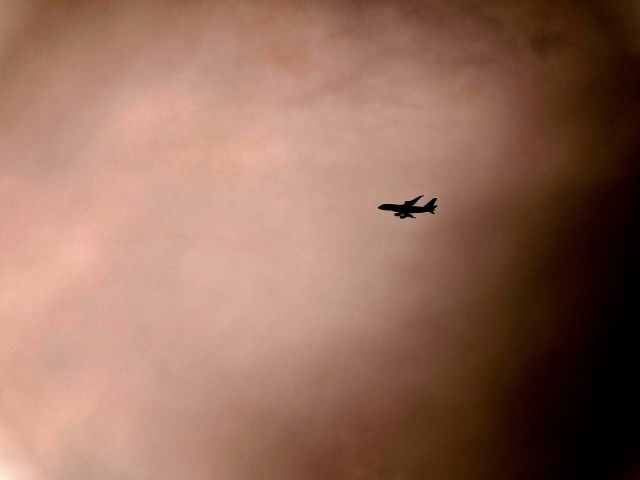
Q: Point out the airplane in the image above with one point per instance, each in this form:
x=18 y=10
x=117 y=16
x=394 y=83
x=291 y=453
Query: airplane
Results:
x=407 y=208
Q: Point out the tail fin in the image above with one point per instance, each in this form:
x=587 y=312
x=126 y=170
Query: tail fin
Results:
x=431 y=206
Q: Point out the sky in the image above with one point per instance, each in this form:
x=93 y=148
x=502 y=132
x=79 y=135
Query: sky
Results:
x=196 y=281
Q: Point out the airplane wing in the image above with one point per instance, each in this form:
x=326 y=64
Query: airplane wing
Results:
x=412 y=202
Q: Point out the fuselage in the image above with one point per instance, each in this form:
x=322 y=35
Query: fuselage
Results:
x=403 y=208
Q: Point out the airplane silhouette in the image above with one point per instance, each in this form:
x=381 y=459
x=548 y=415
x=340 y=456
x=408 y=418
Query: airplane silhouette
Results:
x=407 y=208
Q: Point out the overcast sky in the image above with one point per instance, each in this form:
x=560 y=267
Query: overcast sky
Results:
x=195 y=281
